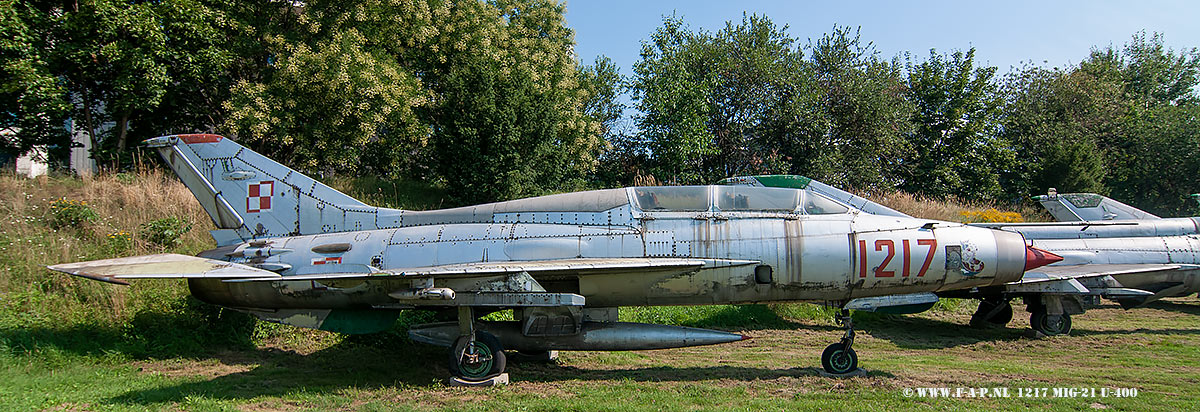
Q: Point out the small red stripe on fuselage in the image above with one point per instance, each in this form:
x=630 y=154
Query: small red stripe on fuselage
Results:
x=199 y=138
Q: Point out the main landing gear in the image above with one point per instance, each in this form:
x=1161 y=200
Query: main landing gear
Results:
x=992 y=311
x=839 y=358
x=1051 y=314
x=1050 y=325
x=476 y=355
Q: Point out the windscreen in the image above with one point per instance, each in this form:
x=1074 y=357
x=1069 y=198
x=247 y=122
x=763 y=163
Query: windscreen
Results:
x=815 y=204
x=744 y=198
x=672 y=198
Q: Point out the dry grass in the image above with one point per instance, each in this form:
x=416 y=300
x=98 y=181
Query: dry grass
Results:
x=953 y=209
x=123 y=202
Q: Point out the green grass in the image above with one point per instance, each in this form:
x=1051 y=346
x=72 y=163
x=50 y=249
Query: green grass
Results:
x=1153 y=349
x=72 y=344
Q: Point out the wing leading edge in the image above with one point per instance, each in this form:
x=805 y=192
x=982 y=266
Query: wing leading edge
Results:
x=161 y=266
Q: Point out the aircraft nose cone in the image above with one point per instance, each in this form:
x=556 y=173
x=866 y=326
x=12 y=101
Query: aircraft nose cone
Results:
x=1036 y=258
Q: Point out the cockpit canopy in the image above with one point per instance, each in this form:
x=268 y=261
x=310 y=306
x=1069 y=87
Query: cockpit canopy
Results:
x=733 y=199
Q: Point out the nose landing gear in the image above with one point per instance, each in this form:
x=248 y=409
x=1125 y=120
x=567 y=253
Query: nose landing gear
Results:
x=839 y=358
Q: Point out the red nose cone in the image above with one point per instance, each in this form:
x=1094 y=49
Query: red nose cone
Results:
x=1036 y=258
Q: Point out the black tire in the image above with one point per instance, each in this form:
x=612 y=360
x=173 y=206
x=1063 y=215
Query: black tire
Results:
x=489 y=363
x=1003 y=313
x=838 y=359
x=1050 y=325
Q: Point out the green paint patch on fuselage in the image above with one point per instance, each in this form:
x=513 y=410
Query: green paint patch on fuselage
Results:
x=785 y=181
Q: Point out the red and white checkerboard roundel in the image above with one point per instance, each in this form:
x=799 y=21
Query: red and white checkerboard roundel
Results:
x=258 y=196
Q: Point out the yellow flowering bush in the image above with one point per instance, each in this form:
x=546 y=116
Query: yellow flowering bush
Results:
x=990 y=216
x=71 y=213
x=118 y=242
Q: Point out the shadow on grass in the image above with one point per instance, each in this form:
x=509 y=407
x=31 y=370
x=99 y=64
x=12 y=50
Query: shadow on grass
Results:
x=912 y=332
x=276 y=372
x=552 y=373
x=282 y=374
x=1089 y=332
x=923 y=333
x=1191 y=308
x=736 y=317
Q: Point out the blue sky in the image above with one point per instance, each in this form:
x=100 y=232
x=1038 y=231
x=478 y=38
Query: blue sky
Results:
x=1005 y=33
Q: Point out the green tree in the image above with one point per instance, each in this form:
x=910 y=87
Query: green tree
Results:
x=1055 y=120
x=852 y=119
x=123 y=71
x=956 y=150
x=1122 y=122
x=1158 y=138
x=513 y=104
x=332 y=105
x=33 y=100
x=671 y=88
x=708 y=100
x=422 y=88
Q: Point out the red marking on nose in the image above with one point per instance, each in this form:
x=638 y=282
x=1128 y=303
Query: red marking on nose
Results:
x=199 y=138
x=1036 y=258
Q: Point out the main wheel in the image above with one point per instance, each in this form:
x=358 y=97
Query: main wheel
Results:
x=1050 y=325
x=479 y=359
x=838 y=359
x=1001 y=313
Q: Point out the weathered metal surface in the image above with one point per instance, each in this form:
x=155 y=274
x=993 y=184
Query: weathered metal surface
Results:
x=895 y=304
x=494 y=299
x=603 y=249
x=593 y=336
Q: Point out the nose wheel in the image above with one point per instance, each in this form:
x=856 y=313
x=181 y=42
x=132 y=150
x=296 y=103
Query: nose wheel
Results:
x=839 y=358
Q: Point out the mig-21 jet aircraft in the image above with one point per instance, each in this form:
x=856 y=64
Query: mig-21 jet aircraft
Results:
x=294 y=251
x=1108 y=250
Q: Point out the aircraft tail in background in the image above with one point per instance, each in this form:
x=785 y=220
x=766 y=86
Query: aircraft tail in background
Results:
x=1075 y=207
x=249 y=196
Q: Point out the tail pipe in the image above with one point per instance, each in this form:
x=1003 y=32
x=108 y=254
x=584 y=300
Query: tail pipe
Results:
x=1015 y=257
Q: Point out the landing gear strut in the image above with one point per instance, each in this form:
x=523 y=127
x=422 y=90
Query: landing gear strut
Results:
x=992 y=312
x=476 y=355
x=839 y=358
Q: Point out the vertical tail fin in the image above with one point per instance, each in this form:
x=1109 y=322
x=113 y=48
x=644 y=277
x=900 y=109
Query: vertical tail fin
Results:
x=249 y=196
x=1072 y=207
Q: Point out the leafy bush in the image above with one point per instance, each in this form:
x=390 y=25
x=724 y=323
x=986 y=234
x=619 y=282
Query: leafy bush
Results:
x=117 y=243
x=165 y=232
x=71 y=213
x=126 y=178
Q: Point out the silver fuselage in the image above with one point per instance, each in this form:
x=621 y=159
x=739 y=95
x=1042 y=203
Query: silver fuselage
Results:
x=808 y=257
